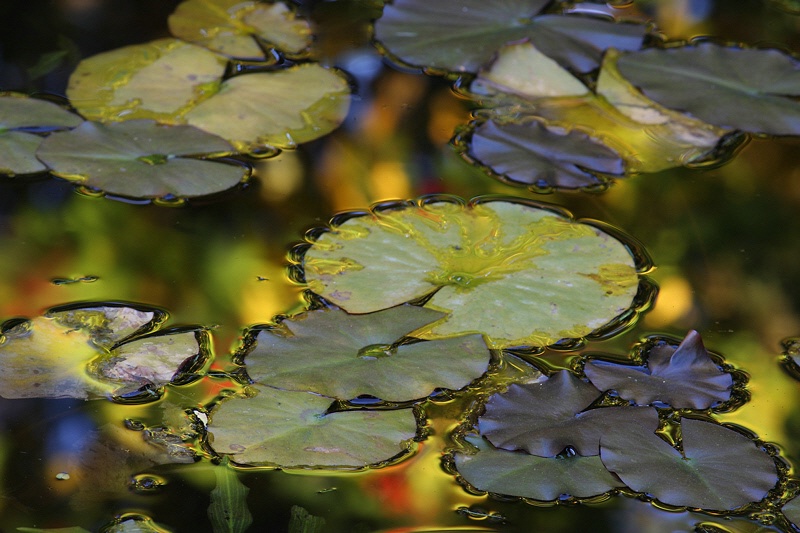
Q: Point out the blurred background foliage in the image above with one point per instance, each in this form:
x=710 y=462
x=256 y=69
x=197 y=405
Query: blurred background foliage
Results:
x=724 y=241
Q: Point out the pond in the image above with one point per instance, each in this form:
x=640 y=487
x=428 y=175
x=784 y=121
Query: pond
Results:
x=518 y=266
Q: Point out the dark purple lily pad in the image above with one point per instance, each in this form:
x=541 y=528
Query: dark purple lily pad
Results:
x=684 y=377
x=533 y=154
x=461 y=36
x=546 y=417
x=719 y=469
x=529 y=476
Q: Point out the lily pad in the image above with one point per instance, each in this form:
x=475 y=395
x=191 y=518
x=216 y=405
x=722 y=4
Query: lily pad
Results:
x=792 y=510
x=19 y=117
x=303 y=353
x=628 y=133
x=528 y=476
x=545 y=418
x=75 y=352
x=155 y=359
x=141 y=159
x=570 y=278
x=718 y=469
x=293 y=429
x=156 y=80
x=236 y=29
x=282 y=108
x=754 y=90
x=684 y=377
x=461 y=36
x=534 y=154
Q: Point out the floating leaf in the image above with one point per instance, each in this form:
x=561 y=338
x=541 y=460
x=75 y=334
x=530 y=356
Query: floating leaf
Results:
x=108 y=324
x=719 y=469
x=461 y=36
x=156 y=80
x=281 y=109
x=792 y=510
x=304 y=522
x=528 y=476
x=293 y=429
x=19 y=116
x=73 y=352
x=545 y=418
x=155 y=359
x=141 y=159
x=629 y=133
x=485 y=262
x=684 y=377
x=234 y=28
x=305 y=351
x=753 y=90
x=536 y=155
x=228 y=511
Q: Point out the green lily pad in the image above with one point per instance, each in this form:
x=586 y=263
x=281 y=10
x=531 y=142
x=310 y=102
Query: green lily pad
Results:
x=76 y=352
x=157 y=80
x=547 y=417
x=754 y=90
x=718 y=469
x=528 y=476
x=293 y=429
x=539 y=156
x=303 y=353
x=141 y=159
x=235 y=28
x=282 y=108
x=228 y=510
x=683 y=376
x=569 y=277
x=19 y=116
x=462 y=36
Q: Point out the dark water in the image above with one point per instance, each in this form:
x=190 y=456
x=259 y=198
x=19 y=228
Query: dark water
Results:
x=724 y=241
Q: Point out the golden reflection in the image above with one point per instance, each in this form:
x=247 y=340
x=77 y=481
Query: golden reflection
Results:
x=674 y=302
x=280 y=176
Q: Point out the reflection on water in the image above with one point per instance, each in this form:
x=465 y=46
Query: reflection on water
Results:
x=723 y=240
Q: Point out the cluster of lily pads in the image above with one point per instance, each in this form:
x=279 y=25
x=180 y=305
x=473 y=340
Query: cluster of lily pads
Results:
x=408 y=300
x=570 y=101
x=160 y=117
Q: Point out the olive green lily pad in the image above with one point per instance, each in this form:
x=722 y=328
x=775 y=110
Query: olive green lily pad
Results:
x=754 y=90
x=718 y=468
x=462 y=36
x=484 y=262
x=528 y=476
x=19 y=117
x=293 y=429
x=281 y=109
x=156 y=80
x=234 y=28
x=141 y=159
x=303 y=353
x=108 y=324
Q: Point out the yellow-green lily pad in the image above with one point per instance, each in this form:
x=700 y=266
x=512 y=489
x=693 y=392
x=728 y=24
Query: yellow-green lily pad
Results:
x=20 y=117
x=281 y=109
x=236 y=29
x=302 y=353
x=157 y=80
x=519 y=273
x=93 y=350
x=293 y=429
x=141 y=159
